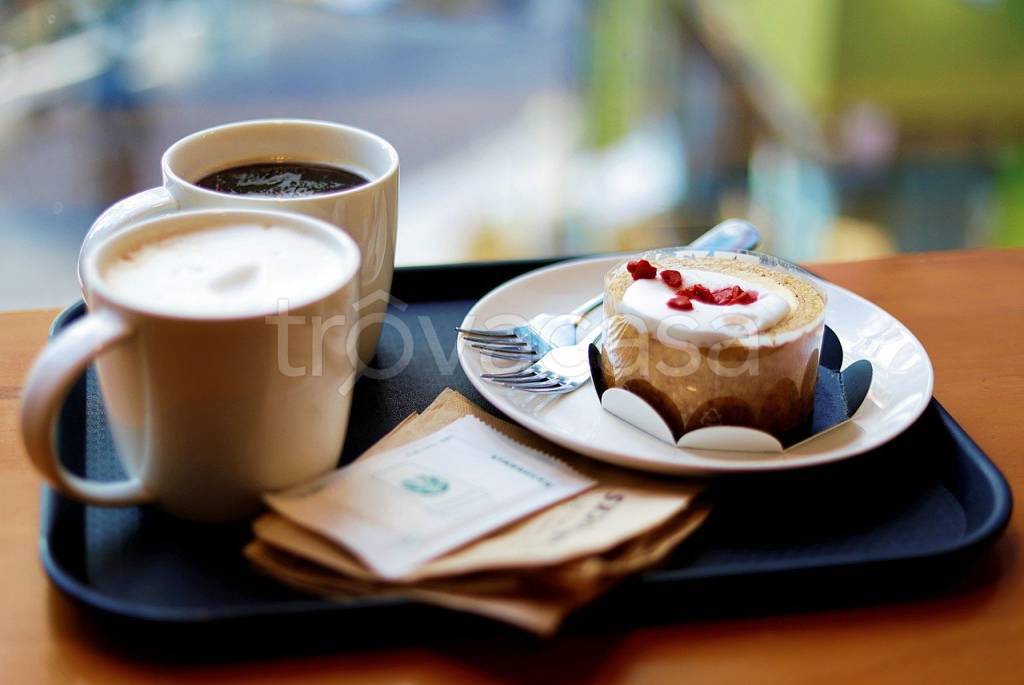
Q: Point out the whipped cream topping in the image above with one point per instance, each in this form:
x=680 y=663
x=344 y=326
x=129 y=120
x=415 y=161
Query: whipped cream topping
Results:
x=706 y=324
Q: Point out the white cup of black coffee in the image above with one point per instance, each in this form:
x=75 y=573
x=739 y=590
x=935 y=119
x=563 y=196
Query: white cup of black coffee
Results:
x=339 y=174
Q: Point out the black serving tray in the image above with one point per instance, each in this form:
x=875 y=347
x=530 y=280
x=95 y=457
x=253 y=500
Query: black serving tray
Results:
x=894 y=523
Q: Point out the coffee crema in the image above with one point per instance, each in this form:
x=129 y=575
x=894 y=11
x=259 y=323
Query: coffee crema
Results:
x=224 y=271
x=281 y=179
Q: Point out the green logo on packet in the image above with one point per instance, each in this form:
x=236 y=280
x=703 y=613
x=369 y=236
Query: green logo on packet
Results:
x=425 y=484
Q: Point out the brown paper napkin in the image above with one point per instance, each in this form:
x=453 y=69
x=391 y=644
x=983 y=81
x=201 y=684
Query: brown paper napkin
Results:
x=530 y=574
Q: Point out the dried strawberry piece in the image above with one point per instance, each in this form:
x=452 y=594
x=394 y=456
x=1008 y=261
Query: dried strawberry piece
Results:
x=700 y=293
x=680 y=302
x=724 y=296
x=732 y=294
x=735 y=295
x=641 y=268
x=672 y=278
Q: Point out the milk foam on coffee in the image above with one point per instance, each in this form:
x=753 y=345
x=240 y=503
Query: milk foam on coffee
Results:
x=234 y=270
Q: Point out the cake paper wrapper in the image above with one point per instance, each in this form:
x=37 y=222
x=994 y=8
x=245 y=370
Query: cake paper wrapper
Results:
x=838 y=394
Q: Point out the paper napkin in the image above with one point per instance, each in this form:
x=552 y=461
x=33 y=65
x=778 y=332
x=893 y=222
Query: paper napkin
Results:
x=531 y=573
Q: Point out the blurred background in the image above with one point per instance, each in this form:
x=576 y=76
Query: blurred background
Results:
x=846 y=129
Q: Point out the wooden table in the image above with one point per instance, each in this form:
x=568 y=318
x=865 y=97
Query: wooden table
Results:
x=966 y=307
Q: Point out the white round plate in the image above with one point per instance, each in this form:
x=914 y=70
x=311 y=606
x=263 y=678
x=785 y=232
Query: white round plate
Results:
x=900 y=388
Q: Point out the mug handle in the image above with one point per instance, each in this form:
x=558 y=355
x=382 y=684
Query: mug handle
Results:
x=48 y=383
x=132 y=209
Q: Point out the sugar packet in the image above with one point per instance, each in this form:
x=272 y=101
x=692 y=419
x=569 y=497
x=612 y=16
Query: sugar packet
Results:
x=403 y=508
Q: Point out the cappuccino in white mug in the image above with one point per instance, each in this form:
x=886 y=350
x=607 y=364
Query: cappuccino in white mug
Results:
x=214 y=392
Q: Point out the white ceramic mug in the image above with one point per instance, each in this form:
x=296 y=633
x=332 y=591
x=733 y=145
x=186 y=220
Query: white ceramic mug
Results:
x=368 y=213
x=205 y=414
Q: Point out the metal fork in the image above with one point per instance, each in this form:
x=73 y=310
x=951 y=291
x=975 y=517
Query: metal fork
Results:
x=545 y=332
x=560 y=371
x=533 y=340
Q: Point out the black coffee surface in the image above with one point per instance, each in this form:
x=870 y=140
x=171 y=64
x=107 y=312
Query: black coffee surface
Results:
x=281 y=179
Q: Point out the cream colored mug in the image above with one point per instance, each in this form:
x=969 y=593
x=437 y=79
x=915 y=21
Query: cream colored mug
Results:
x=368 y=213
x=207 y=411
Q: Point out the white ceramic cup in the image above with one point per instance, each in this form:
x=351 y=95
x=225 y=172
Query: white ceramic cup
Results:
x=207 y=412
x=368 y=213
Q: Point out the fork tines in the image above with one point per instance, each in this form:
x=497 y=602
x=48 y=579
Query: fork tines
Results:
x=487 y=333
x=522 y=356
x=500 y=343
